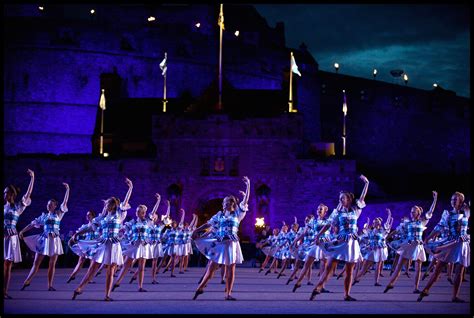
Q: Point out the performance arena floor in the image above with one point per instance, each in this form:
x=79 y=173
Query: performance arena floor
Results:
x=255 y=293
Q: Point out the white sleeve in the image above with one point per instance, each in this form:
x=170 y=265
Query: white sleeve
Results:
x=242 y=211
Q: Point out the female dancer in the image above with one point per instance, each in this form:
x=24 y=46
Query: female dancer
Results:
x=224 y=248
x=170 y=249
x=47 y=243
x=301 y=252
x=106 y=249
x=11 y=214
x=139 y=248
x=315 y=253
x=269 y=247
x=455 y=249
x=281 y=253
x=180 y=245
x=346 y=247
x=399 y=236
x=290 y=238
x=412 y=248
x=377 y=251
x=188 y=232
x=156 y=228
x=91 y=233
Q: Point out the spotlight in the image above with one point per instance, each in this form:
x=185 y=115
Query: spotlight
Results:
x=151 y=19
x=336 y=66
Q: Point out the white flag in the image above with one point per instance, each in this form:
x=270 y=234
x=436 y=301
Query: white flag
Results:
x=294 y=67
x=164 y=65
x=102 y=100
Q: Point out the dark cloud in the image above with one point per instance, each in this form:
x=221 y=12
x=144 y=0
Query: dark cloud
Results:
x=430 y=42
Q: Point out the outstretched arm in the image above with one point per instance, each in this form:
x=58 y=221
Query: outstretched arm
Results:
x=27 y=195
x=366 y=187
x=182 y=216
x=129 y=192
x=296 y=220
x=194 y=221
x=388 y=222
x=245 y=200
x=26 y=229
x=429 y=214
x=157 y=204
x=66 y=197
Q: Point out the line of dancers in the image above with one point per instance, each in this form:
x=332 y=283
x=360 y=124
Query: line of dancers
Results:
x=335 y=238
x=108 y=242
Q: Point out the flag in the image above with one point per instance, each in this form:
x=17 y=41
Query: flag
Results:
x=102 y=100
x=294 y=67
x=344 y=105
x=164 y=65
x=220 y=22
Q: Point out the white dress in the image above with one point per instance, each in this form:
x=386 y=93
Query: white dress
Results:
x=106 y=249
x=11 y=242
x=346 y=246
x=222 y=245
x=47 y=243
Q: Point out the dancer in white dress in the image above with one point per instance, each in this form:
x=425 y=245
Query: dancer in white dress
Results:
x=224 y=247
x=139 y=247
x=91 y=234
x=346 y=246
x=11 y=242
x=455 y=249
x=376 y=251
x=412 y=248
x=106 y=249
x=47 y=243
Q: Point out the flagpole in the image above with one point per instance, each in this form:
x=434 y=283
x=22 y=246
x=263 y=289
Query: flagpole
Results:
x=164 y=89
x=101 y=150
x=344 y=110
x=221 y=16
x=290 y=102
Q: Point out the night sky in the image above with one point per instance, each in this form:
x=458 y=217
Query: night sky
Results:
x=429 y=42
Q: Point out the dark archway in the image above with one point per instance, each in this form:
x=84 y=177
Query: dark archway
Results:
x=207 y=209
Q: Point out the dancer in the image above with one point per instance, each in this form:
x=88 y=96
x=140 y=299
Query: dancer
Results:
x=139 y=247
x=224 y=248
x=269 y=247
x=106 y=249
x=180 y=244
x=47 y=243
x=377 y=251
x=307 y=237
x=412 y=248
x=455 y=248
x=11 y=242
x=171 y=247
x=281 y=253
x=346 y=247
x=155 y=239
x=290 y=238
x=397 y=237
x=91 y=233
x=315 y=253
x=188 y=232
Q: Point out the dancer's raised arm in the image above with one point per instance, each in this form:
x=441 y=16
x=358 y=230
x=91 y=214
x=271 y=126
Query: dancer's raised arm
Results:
x=157 y=204
x=429 y=213
x=129 y=192
x=27 y=195
x=389 y=221
x=182 y=217
x=366 y=187
x=245 y=199
x=66 y=198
